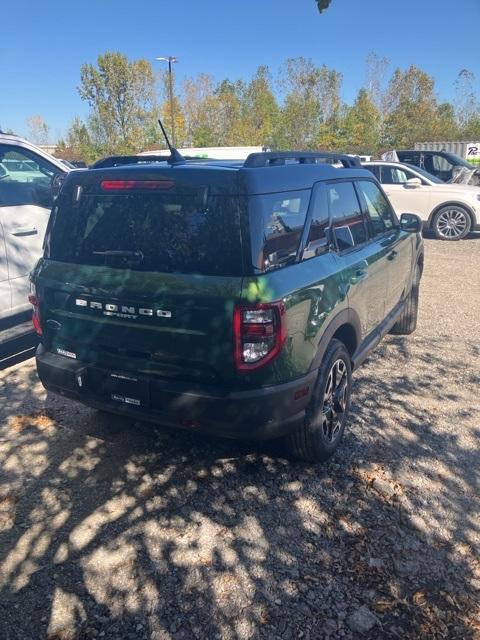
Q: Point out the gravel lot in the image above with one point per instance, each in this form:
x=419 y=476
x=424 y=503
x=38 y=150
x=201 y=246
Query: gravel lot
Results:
x=111 y=529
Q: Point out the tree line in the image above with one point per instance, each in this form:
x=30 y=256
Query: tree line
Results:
x=301 y=108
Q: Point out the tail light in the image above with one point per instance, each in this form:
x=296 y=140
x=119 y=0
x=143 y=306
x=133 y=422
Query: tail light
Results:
x=259 y=334
x=33 y=299
x=131 y=185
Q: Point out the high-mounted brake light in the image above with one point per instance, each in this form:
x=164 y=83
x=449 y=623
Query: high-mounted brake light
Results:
x=259 y=334
x=33 y=299
x=131 y=185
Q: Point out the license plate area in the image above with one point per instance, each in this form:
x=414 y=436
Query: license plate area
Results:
x=126 y=389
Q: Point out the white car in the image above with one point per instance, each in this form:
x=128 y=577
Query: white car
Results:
x=451 y=211
x=26 y=175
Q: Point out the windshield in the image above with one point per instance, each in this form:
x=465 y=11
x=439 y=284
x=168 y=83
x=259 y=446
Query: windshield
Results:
x=454 y=159
x=179 y=231
x=424 y=173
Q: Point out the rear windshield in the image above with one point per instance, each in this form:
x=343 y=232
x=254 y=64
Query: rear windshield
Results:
x=184 y=230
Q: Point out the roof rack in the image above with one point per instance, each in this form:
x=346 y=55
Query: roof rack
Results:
x=118 y=161
x=276 y=158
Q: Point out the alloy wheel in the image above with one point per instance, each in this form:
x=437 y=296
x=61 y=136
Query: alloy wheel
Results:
x=452 y=223
x=335 y=400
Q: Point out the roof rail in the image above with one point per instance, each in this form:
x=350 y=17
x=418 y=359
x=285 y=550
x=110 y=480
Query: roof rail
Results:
x=275 y=158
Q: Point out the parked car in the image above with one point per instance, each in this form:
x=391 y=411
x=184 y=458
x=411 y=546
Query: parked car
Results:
x=230 y=298
x=451 y=211
x=26 y=175
x=441 y=164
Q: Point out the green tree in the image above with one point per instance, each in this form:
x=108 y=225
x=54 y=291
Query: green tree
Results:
x=77 y=143
x=122 y=96
x=312 y=104
x=360 y=128
x=411 y=108
x=260 y=110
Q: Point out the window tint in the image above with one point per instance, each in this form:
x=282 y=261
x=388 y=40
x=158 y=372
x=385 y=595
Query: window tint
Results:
x=373 y=168
x=394 y=175
x=276 y=224
x=347 y=219
x=178 y=231
x=25 y=178
x=380 y=214
x=409 y=156
x=317 y=241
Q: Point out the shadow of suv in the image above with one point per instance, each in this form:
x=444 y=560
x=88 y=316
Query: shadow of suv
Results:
x=233 y=298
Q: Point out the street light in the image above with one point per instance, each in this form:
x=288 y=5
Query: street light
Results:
x=170 y=59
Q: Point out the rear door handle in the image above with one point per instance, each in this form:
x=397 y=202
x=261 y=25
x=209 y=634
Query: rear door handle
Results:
x=392 y=255
x=25 y=231
x=360 y=274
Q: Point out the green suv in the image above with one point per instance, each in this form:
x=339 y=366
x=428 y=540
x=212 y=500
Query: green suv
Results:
x=225 y=297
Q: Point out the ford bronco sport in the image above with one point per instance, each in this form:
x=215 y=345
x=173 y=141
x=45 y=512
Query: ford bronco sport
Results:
x=230 y=298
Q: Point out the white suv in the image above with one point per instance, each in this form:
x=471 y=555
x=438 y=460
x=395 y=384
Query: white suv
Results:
x=451 y=211
x=26 y=175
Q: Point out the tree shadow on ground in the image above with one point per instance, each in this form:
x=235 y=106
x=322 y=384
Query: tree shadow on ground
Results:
x=116 y=529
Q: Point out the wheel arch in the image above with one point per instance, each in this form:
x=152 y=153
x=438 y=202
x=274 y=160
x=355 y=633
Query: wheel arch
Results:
x=346 y=327
x=452 y=203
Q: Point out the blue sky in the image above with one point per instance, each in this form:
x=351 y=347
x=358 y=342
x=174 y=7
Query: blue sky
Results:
x=43 y=44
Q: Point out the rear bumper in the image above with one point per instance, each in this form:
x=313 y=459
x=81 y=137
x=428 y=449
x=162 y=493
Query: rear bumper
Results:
x=260 y=414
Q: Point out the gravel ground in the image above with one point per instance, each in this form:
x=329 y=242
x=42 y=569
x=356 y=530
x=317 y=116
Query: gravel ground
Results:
x=111 y=529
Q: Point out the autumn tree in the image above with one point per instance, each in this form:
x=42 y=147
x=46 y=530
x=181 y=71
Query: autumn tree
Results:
x=121 y=94
x=411 y=108
x=260 y=109
x=38 y=129
x=360 y=128
x=312 y=101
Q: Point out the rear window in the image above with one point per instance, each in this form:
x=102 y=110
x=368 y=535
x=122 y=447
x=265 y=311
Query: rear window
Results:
x=184 y=230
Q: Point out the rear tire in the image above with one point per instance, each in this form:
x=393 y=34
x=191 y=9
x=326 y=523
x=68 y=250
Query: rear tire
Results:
x=451 y=223
x=322 y=431
x=407 y=322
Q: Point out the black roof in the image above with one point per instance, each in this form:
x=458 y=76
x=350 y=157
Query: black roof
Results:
x=267 y=172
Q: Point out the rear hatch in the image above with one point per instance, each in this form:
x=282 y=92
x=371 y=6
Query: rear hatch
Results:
x=142 y=270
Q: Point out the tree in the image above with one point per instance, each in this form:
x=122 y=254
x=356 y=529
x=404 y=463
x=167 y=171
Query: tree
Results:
x=260 y=109
x=467 y=108
x=38 y=129
x=122 y=96
x=312 y=104
x=411 y=108
x=77 y=144
x=360 y=130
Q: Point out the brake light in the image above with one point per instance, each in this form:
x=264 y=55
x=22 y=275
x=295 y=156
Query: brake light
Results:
x=131 y=185
x=259 y=334
x=33 y=299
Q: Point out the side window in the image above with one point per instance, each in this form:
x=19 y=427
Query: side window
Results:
x=347 y=220
x=380 y=214
x=317 y=241
x=373 y=168
x=25 y=178
x=393 y=175
x=410 y=157
x=281 y=217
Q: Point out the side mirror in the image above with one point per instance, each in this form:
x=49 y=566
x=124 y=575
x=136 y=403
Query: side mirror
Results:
x=413 y=183
x=56 y=184
x=411 y=223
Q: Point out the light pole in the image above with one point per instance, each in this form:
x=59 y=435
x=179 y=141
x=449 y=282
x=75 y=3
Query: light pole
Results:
x=170 y=59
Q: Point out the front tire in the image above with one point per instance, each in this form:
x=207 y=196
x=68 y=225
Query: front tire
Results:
x=326 y=415
x=451 y=223
x=407 y=321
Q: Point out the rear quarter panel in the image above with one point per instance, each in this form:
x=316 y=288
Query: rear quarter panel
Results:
x=311 y=291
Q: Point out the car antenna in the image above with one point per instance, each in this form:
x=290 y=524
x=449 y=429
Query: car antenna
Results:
x=175 y=156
